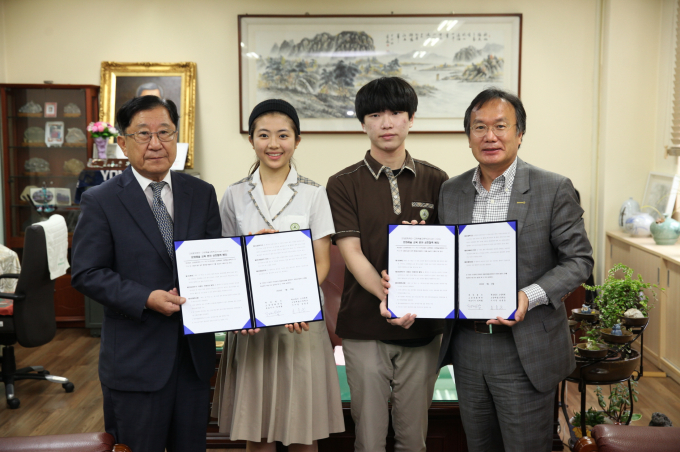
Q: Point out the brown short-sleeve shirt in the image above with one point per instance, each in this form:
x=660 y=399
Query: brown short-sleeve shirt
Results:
x=365 y=198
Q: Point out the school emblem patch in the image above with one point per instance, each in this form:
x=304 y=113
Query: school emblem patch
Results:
x=424 y=214
x=294 y=227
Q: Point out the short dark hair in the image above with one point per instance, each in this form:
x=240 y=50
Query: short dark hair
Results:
x=130 y=108
x=385 y=93
x=495 y=93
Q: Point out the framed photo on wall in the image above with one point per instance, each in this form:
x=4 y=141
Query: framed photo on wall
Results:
x=174 y=81
x=318 y=63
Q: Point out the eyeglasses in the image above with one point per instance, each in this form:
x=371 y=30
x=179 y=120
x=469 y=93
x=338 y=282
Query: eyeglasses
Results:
x=499 y=130
x=144 y=137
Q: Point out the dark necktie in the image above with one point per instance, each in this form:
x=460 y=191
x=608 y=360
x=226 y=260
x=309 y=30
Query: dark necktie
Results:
x=163 y=217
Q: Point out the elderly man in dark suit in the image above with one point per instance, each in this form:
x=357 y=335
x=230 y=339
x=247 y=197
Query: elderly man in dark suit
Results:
x=155 y=381
x=507 y=371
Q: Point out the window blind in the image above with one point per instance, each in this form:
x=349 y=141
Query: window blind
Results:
x=674 y=148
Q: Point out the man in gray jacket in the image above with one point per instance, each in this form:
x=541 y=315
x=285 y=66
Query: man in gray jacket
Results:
x=507 y=370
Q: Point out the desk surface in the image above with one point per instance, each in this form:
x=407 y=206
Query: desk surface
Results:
x=669 y=252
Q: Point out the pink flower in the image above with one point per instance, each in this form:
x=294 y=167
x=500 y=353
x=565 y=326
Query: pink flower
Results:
x=100 y=128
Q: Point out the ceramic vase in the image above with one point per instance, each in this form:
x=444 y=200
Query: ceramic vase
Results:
x=101 y=146
x=667 y=232
x=628 y=208
x=638 y=225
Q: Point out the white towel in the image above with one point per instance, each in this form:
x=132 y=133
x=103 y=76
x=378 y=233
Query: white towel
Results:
x=56 y=237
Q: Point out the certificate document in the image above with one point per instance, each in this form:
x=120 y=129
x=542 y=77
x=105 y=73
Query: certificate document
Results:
x=247 y=282
x=213 y=280
x=422 y=269
x=453 y=271
x=283 y=279
x=487 y=275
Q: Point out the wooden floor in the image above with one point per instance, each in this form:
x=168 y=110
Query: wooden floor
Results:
x=656 y=395
x=46 y=409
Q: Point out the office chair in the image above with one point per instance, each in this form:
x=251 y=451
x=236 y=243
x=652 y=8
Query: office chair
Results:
x=33 y=322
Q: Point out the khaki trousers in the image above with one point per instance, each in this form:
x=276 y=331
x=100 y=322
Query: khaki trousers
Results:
x=378 y=373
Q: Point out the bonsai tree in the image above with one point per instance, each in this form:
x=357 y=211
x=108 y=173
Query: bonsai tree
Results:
x=615 y=296
x=591 y=335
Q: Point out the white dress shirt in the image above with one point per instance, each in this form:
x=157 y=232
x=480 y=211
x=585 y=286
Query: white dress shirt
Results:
x=166 y=193
x=492 y=205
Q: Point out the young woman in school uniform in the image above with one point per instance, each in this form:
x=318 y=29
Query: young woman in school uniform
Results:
x=274 y=385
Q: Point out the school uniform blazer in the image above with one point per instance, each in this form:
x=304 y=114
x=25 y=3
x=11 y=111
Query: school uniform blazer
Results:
x=119 y=258
x=553 y=252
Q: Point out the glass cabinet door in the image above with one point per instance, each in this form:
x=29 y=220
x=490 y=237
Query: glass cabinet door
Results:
x=45 y=147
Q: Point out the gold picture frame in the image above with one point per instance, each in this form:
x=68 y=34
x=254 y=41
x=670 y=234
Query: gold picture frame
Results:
x=174 y=81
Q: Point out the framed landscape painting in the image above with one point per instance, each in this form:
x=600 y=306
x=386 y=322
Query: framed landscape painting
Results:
x=318 y=63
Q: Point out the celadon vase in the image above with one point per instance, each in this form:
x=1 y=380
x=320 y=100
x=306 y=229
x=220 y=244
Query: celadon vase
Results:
x=667 y=232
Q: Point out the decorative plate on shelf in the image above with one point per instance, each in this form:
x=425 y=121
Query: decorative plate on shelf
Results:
x=31 y=109
x=75 y=137
x=34 y=136
x=37 y=166
x=73 y=167
x=71 y=110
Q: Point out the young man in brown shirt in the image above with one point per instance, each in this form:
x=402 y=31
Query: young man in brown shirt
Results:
x=384 y=363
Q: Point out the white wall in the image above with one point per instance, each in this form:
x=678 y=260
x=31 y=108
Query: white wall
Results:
x=3 y=74
x=560 y=79
x=633 y=81
x=206 y=32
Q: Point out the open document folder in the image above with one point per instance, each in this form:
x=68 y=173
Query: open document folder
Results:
x=254 y=281
x=453 y=271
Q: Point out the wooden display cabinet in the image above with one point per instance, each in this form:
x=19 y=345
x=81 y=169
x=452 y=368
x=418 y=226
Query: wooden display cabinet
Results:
x=18 y=148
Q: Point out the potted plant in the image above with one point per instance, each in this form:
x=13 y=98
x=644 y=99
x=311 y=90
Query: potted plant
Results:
x=593 y=418
x=593 y=347
x=615 y=409
x=618 y=409
x=616 y=296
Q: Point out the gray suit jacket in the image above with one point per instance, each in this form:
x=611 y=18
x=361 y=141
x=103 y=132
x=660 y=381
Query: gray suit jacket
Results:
x=553 y=252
